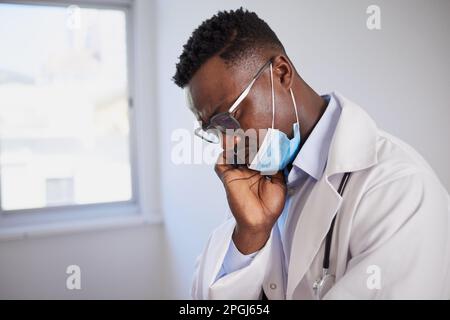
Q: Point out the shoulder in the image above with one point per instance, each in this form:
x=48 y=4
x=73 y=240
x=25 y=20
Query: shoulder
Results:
x=400 y=190
x=399 y=162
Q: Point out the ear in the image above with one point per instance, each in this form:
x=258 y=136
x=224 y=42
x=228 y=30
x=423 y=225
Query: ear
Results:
x=283 y=71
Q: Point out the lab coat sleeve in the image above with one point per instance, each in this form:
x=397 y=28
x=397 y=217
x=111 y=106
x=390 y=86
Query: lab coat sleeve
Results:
x=235 y=260
x=244 y=283
x=399 y=242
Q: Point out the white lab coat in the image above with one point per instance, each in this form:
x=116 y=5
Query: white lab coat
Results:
x=393 y=224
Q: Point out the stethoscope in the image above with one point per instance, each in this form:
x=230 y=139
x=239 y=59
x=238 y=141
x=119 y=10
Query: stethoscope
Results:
x=326 y=281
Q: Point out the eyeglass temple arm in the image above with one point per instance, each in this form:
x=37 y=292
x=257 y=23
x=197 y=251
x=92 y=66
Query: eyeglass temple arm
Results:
x=241 y=97
x=247 y=90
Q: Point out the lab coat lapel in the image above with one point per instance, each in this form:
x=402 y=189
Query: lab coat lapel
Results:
x=311 y=230
x=353 y=148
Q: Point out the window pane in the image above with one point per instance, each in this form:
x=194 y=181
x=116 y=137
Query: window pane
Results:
x=64 y=130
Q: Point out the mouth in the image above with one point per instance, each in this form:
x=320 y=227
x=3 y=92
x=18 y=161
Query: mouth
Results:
x=239 y=155
x=242 y=151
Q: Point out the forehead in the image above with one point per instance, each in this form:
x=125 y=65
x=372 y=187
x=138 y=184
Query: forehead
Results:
x=211 y=86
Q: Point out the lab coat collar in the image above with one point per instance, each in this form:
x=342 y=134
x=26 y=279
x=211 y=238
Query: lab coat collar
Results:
x=354 y=142
x=353 y=148
x=312 y=157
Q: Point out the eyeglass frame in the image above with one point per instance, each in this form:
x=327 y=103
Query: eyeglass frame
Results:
x=232 y=109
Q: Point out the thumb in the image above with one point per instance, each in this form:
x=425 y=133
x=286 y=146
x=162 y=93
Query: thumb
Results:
x=221 y=165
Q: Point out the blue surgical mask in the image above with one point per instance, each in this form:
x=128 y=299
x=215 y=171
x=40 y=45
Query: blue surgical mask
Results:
x=276 y=150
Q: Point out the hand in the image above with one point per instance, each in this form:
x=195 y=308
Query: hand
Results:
x=256 y=202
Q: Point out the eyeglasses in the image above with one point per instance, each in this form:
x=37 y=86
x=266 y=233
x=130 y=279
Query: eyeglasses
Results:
x=224 y=121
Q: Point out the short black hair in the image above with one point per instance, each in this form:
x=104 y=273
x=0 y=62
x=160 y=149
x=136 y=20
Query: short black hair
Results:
x=232 y=34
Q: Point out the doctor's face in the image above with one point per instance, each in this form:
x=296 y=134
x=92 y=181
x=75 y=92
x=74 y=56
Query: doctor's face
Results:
x=216 y=86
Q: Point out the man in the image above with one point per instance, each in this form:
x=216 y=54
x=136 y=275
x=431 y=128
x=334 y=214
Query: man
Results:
x=330 y=206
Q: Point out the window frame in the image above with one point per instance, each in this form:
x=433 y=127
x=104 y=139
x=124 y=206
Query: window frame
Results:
x=141 y=208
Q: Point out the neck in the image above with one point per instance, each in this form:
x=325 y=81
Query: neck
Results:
x=310 y=106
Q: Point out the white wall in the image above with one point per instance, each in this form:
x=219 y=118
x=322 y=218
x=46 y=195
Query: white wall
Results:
x=399 y=74
x=115 y=264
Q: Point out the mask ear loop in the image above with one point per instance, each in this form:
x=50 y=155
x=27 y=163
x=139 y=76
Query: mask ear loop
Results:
x=295 y=105
x=273 y=96
x=273 y=100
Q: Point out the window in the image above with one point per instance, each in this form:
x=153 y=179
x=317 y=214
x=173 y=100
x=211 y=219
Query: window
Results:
x=64 y=125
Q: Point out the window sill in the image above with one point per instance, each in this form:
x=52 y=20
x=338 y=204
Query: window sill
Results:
x=72 y=226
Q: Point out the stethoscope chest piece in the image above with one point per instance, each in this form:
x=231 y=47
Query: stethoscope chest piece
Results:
x=322 y=285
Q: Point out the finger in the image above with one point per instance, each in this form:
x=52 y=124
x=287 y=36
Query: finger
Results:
x=221 y=166
x=275 y=178
x=278 y=178
x=277 y=182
